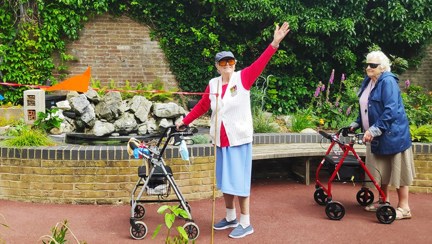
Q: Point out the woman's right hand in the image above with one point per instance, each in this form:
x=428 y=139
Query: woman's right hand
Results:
x=279 y=34
x=179 y=124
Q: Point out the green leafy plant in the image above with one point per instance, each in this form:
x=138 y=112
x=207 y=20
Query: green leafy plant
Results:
x=418 y=104
x=302 y=120
x=59 y=234
x=171 y=212
x=421 y=133
x=47 y=121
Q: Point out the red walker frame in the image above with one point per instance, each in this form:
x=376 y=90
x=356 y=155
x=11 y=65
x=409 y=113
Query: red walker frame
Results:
x=385 y=213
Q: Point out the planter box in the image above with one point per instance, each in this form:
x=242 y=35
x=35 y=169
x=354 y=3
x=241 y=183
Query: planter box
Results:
x=12 y=113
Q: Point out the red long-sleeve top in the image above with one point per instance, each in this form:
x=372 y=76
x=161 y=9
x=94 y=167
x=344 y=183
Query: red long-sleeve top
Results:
x=248 y=78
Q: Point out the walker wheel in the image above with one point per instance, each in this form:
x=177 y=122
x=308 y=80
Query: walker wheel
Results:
x=192 y=230
x=320 y=197
x=386 y=214
x=139 y=232
x=335 y=210
x=139 y=211
x=365 y=197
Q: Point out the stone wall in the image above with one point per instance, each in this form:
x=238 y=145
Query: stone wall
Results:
x=119 y=49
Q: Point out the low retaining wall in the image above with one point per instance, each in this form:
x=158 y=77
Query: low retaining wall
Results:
x=106 y=175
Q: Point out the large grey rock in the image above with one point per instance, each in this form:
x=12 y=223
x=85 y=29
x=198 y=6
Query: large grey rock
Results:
x=79 y=103
x=126 y=123
x=109 y=106
x=89 y=116
x=103 y=128
x=167 y=110
x=92 y=95
x=141 y=107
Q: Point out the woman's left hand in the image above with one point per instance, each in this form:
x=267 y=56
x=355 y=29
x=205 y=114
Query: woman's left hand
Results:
x=280 y=33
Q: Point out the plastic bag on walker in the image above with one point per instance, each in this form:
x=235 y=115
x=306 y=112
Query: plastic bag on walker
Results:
x=139 y=151
x=184 y=153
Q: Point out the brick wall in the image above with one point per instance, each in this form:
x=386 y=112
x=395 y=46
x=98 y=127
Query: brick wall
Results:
x=119 y=49
x=95 y=182
x=421 y=76
x=423 y=180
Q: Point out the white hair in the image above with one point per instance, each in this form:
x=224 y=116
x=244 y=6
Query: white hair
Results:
x=384 y=61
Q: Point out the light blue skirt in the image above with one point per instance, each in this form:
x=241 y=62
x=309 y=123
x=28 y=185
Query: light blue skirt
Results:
x=234 y=169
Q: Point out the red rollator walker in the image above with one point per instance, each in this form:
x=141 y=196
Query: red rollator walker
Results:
x=344 y=165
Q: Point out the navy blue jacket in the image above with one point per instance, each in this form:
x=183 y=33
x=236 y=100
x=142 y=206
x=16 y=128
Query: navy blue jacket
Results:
x=386 y=112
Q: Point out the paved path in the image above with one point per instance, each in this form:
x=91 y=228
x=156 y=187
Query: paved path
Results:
x=282 y=212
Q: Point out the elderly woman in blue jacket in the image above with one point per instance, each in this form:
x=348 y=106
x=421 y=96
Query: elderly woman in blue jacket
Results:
x=386 y=131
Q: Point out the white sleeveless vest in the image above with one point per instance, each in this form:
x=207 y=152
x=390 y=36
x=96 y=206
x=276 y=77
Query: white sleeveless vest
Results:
x=234 y=110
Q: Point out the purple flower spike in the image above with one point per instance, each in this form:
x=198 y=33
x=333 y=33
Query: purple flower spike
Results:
x=407 y=83
x=322 y=87
x=317 y=92
x=348 y=111
x=343 y=77
x=336 y=104
x=332 y=76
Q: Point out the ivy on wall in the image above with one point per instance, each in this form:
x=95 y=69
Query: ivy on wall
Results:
x=326 y=35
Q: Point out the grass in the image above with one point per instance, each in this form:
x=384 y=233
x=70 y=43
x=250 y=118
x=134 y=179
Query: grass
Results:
x=27 y=138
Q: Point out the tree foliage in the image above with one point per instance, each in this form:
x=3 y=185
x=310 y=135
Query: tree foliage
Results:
x=325 y=35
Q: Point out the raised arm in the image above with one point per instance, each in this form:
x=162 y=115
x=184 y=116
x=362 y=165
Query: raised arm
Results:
x=251 y=73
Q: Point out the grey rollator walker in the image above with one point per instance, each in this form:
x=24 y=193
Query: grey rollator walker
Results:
x=156 y=179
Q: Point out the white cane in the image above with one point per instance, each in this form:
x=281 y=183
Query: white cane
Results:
x=214 y=165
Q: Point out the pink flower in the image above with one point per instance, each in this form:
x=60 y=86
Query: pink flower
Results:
x=317 y=91
x=348 y=111
x=343 y=77
x=323 y=87
x=332 y=76
x=407 y=83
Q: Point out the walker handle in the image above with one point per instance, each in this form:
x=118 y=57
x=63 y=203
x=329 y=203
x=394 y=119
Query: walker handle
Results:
x=325 y=135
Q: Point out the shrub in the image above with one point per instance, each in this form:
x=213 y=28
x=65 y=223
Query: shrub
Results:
x=28 y=138
x=47 y=121
x=421 y=133
x=335 y=107
x=418 y=104
x=263 y=123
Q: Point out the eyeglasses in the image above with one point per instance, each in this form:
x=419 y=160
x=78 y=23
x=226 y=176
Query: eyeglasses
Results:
x=225 y=62
x=372 y=65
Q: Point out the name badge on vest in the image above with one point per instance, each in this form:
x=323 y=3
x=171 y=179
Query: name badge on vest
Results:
x=233 y=90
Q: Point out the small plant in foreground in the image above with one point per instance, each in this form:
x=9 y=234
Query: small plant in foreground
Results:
x=170 y=215
x=59 y=234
